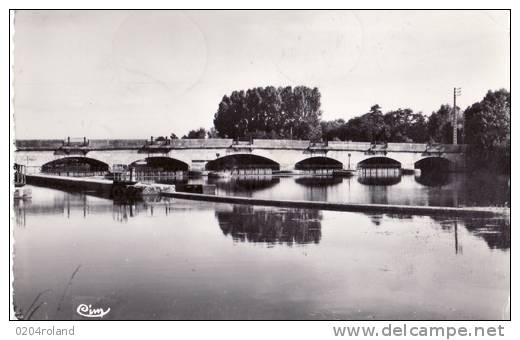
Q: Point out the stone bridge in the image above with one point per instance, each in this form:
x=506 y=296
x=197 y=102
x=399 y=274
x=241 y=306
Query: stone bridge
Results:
x=284 y=154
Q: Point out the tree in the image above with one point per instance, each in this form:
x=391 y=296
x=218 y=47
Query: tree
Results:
x=487 y=126
x=303 y=113
x=373 y=123
x=173 y=136
x=231 y=117
x=212 y=133
x=269 y=112
x=405 y=126
x=199 y=133
x=401 y=125
x=417 y=127
x=440 y=125
x=353 y=130
x=333 y=130
x=369 y=127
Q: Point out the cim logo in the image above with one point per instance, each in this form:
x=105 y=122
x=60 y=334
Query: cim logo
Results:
x=89 y=312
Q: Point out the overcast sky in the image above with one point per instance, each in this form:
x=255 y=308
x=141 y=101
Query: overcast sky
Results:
x=133 y=74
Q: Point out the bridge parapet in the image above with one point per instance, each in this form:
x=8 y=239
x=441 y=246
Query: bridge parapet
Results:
x=201 y=143
x=318 y=148
x=73 y=146
x=377 y=149
x=72 y=150
x=281 y=144
x=92 y=144
x=445 y=148
x=38 y=144
x=351 y=146
x=406 y=147
x=165 y=146
x=116 y=144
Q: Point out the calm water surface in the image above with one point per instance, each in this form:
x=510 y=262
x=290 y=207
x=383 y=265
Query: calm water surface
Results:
x=449 y=189
x=192 y=260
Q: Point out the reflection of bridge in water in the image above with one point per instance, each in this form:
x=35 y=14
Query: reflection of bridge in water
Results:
x=244 y=184
x=320 y=182
x=70 y=202
x=379 y=178
x=433 y=178
x=242 y=222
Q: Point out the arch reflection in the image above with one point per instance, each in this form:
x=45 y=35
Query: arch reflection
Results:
x=262 y=225
x=323 y=181
x=434 y=178
x=244 y=185
x=380 y=179
x=433 y=164
x=317 y=188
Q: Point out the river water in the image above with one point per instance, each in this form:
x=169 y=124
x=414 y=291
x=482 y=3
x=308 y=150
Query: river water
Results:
x=448 y=189
x=176 y=259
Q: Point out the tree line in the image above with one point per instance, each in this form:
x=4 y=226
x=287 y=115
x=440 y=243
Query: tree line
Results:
x=295 y=113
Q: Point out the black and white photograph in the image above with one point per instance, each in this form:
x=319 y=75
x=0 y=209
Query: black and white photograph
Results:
x=261 y=165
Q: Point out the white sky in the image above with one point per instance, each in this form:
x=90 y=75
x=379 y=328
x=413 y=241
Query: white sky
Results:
x=125 y=74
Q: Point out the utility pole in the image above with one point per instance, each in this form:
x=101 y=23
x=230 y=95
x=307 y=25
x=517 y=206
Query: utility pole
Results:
x=456 y=93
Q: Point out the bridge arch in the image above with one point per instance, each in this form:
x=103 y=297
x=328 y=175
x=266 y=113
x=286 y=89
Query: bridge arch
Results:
x=379 y=170
x=434 y=163
x=76 y=166
x=379 y=162
x=159 y=169
x=242 y=161
x=318 y=162
x=159 y=163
